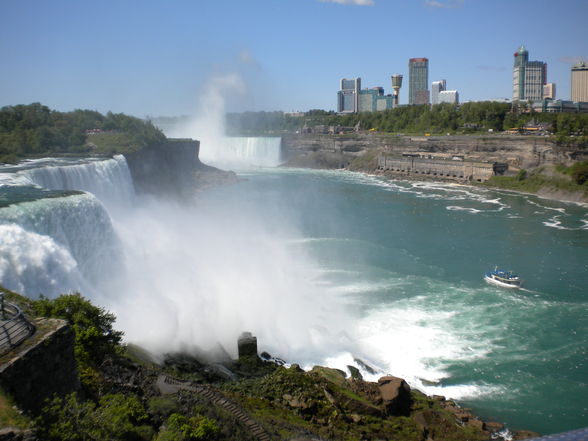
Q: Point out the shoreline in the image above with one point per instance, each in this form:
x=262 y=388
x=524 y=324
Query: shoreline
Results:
x=406 y=177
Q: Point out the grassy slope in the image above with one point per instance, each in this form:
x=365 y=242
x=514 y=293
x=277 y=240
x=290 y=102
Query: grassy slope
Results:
x=546 y=181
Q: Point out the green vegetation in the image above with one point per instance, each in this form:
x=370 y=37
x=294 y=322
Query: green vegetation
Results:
x=9 y=415
x=578 y=172
x=115 y=417
x=287 y=403
x=95 y=336
x=572 y=179
x=440 y=119
x=35 y=130
x=181 y=428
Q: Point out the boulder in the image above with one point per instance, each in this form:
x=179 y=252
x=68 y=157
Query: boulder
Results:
x=494 y=427
x=395 y=394
x=355 y=374
x=336 y=376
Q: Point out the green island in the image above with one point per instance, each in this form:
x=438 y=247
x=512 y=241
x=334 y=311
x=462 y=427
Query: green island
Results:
x=251 y=398
x=34 y=130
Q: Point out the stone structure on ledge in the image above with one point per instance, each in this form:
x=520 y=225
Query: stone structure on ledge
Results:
x=247 y=345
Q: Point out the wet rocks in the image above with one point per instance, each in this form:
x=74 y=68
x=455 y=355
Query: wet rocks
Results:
x=395 y=394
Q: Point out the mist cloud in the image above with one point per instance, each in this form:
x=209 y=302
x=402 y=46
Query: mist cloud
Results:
x=246 y=57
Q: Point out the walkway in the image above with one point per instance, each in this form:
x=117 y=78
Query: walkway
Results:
x=14 y=327
x=169 y=385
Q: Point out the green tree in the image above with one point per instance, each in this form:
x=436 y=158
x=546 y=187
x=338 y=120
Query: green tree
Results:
x=181 y=428
x=579 y=172
x=115 y=417
x=95 y=338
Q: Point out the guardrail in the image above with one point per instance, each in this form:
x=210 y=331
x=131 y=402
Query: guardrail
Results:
x=14 y=326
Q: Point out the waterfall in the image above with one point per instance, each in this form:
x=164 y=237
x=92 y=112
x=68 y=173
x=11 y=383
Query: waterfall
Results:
x=242 y=151
x=109 y=180
x=55 y=241
x=57 y=244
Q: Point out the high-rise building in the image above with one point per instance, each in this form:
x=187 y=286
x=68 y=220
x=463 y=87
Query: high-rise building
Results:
x=418 y=81
x=348 y=95
x=549 y=91
x=368 y=99
x=580 y=82
x=436 y=88
x=529 y=77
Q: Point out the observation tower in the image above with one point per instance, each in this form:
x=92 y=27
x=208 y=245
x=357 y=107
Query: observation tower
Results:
x=396 y=85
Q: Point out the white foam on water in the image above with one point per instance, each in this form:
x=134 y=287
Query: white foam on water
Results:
x=467 y=209
x=557 y=223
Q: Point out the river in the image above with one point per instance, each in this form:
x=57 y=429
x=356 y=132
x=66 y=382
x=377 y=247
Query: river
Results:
x=325 y=267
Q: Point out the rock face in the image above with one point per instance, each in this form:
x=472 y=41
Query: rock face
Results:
x=164 y=168
x=395 y=395
x=517 y=151
x=173 y=168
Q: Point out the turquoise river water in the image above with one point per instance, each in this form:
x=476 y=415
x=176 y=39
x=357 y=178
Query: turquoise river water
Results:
x=324 y=267
x=408 y=259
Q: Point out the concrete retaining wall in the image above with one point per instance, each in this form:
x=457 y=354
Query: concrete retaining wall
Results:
x=46 y=367
x=454 y=170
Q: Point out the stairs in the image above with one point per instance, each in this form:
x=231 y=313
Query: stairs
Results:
x=169 y=385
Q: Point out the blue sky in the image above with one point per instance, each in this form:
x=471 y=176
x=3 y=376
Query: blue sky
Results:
x=156 y=58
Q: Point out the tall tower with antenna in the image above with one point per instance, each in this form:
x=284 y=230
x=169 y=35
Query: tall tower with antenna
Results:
x=396 y=85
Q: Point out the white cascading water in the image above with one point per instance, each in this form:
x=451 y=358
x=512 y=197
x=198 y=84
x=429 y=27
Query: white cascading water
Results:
x=56 y=245
x=109 y=180
x=243 y=151
x=61 y=244
x=178 y=277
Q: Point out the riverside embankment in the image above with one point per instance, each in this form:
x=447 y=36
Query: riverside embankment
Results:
x=459 y=158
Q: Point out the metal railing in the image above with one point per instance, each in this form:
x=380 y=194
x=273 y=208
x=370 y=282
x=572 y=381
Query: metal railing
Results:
x=14 y=326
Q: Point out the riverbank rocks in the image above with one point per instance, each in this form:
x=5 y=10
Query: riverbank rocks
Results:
x=395 y=394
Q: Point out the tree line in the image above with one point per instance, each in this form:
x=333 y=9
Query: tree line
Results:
x=34 y=130
x=474 y=117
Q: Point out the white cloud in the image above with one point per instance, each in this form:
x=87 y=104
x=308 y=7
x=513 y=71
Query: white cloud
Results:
x=444 y=3
x=350 y=2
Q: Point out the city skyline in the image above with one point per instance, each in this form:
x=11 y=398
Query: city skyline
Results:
x=151 y=58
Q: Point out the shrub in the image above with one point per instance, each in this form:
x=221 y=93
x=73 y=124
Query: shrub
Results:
x=116 y=417
x=181 y=428
x=95 y=337
x=579 y=172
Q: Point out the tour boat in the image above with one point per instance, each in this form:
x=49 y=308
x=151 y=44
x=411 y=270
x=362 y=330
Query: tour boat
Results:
x=504 y=279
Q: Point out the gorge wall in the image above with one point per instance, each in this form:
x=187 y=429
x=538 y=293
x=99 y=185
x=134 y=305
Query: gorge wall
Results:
x=164 y=168
x=173 y=168
x=336 y=151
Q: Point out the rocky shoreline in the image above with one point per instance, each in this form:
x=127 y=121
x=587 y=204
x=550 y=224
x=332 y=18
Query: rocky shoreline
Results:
x=321 y=404
x=360 y=153
x=366 y=161
x=253 y=397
